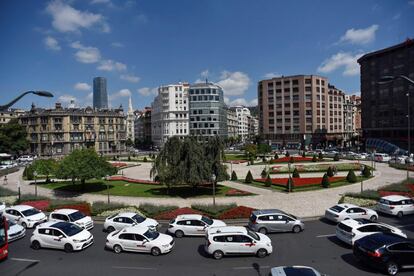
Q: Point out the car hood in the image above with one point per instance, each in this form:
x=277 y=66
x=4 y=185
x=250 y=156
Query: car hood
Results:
x=37 y=217
x=164 y=239
x=149 y=222
x=15 y=229
x=264 y=238
x=83 y=221
x=83 y=235
x=218 y=223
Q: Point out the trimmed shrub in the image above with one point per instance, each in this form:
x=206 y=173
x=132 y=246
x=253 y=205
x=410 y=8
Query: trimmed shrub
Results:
x=28 y=173
x=129 y=158
x=367 y=194
x=314 y=159
x=320 y=156
x=325 y=181
x=268 y=182
x=145 y=159
x=101 y=206
x=249 y=177
x=295 y=173
x=303 y=154
x=330 y=172
x=336 y=157
x=287 y=154
x=289 y=185
x=151 y=210
x=264 y=173
x=30 y=197
x=212 y=210
x=251 y=161
x=113 y=158
x=292 y=160
x=276 y=156
x=351 y=177
x=233 y=176
x=366 y=172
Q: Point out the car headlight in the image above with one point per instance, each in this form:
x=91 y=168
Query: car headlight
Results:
x=165 y=245
x=268 y=244
x=77 y=241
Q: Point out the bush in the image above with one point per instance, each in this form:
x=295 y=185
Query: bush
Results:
x=28 y=173
x=101 y=206
x=325 y=181
x=314 y=159
x=113 y=158
x=151 y=210
x=268 y=182
x=276 y=156
x=212 y=210
x=287 y=154
x=290 y=185
x=233 y=176
x=396 y=187
x=336 y=157
x=303 y=154
x=249 y=177
x=330 y=172
x=367 y=194
x=295 y=173
x=30 y=197
x=129 y=158
x=251 y=161
x=145 y=159
x=320 y=156
x=351 y=177
x=264 y=173
x=366 y=172
x=291 y=160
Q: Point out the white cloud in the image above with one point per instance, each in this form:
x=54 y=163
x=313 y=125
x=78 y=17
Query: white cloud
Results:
x=65 y=99
x=130 y=78
x=234 y=83
x=205 y=74
x=271 y=75
x=117 y=44
x=243 y=101
x=226 y=100
x=146 y=91
x=100 y=1
x=86 y=54
x=345 y=60
x=411 y=2
x=52 y=44
x=68 y=19
x=360 y=36
x=89 y=97
x=82 y=86
x=120 y=94
x=397 y=16
x=110 y=65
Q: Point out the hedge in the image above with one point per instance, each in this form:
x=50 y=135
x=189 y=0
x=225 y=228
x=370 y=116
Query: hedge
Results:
x=151 y=210
x=212 y=210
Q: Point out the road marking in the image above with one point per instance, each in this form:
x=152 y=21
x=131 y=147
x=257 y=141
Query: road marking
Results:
x=250 y=267
x=134 y=267
x=325 y=236
x=25 y=260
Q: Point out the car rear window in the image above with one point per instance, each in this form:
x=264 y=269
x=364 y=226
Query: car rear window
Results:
x=344 y=227
x=299 y=271
x=384 y=201
x=337 y=208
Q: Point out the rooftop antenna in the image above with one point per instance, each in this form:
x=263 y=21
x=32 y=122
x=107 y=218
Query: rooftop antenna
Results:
x=206 y=80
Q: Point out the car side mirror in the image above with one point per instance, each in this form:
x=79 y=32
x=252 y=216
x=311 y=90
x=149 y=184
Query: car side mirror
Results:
x=60 y=237
x=144 y=241
x=286 y=221
x=134 y=223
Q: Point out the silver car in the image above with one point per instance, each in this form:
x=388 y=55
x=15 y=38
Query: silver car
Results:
x=274 y=220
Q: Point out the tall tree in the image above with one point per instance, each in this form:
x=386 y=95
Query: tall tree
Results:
x=45 y=167
x=13 y=138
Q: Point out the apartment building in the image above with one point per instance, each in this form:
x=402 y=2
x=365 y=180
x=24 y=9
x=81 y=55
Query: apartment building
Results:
x=130 y=122
x=352 y=118
x=232 y=123
x=208 y=113
x=170 y=113
x=296 y=110
x=6 y=116
x=58 y=131
x=142 y=125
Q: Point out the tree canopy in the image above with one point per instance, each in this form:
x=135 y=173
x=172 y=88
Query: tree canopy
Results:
x=45 y=167
x=13 y=138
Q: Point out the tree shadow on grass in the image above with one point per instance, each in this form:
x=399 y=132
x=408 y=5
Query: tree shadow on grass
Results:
x=186 y=192
x=77 y=189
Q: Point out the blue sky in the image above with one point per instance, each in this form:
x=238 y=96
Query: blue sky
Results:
x=60 y=46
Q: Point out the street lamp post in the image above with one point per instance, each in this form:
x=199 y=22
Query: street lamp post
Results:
x=35 y=179
x=107 y=186
x=290 y=179
x=38 y=93
x=214 y=178
x=388 y=79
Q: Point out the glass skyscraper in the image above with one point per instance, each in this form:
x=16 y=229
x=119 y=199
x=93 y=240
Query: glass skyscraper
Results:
x=100 y=95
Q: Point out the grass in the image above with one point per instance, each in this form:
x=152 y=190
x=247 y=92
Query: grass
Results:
x=122 y=188
x=230 y=157
x=399 y=187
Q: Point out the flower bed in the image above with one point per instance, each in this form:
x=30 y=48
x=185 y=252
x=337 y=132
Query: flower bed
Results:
x=38 y=204
x=236 y=161
x=295 y=159
x=132 y=180
x=119 y=164
x=302 y=181
x=108 y=213
x=237 y=212
x=82 y=207
x=316 y=168
x=174 y=213
x=388 y=193
x=236 y=192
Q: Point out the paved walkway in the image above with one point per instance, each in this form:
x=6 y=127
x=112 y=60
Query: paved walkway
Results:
x=303 y=204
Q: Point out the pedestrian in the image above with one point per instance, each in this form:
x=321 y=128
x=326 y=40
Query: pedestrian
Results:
x=5 y=180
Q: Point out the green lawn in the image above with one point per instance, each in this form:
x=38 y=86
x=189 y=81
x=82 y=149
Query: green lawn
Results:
x=230 y=157
x=122 y=188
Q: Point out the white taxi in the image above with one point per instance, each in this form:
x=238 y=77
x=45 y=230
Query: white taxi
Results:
x=25 y=215
x=122 y=220
x=192 y=225
x=344 y=211
x=72 y=215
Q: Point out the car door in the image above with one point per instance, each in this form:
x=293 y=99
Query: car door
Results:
x=9 y=213
x=287 y=225
x=231 y=246
x=59 y=239
x=245 y=244
x=197 y=227
x=142 y=244
x=278 y=223
x=351 y=213
x=122 y=222
x=186 y=227
x=403 y=253
x=264 y=221
x=47 y=237
x=127 y=241
x=409 y=206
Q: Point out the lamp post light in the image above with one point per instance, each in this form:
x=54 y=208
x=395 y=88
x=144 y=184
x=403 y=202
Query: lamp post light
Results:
x=38 y=93
x=107 y=186
x=289 y=180
x=388 y=79
x=214 y=178
x=35 y=179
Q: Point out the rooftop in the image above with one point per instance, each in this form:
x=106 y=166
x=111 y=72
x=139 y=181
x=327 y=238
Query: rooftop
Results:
x=408 y=43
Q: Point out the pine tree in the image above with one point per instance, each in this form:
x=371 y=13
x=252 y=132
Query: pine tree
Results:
x=366 y=172
x=264 y=173
x=289 y=185
x=336 y=157
x=249 y=177
x=295 y=173
x=276 y=156
x=330 y=172
x=304 y=154
x=233 y=176
x=351 y=177
x=325 y=181
x=287 y=154
x=320 y=156
x=268 y=182
x=314 y=159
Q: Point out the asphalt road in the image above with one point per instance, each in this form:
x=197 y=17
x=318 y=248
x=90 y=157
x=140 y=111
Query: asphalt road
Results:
x=317 y=246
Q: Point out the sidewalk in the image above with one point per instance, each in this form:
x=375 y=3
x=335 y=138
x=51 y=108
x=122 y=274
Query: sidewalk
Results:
x=302 y=204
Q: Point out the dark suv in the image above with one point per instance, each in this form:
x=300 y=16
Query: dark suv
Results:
x=385 y=251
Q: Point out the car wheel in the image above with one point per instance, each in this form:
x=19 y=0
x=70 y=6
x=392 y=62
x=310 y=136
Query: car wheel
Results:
x=24 y=225
x=392 y=268
x=110 y=229
x=263 y=231
x=36 y=245
x=261 y=253
x=296 y=229
x=179 y=234
x=68 y=248
x=117 y=248
x=373 y=218
x=218 y=254
x=155 y=251
x=400 y=214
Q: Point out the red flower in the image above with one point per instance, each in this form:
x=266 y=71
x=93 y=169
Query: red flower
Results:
x=387 y=193
x=295 y=159
x=38 y=204
x=119 y=164
x=301 y=182
x=236 y=192
x=237 y=212
x=174 y=213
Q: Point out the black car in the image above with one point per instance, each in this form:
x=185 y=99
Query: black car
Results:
x=385 y=251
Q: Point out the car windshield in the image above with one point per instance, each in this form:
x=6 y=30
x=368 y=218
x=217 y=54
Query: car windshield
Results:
x=207 y=220
x=151 y=235
x=292 y=216
x=253 y=235
x=69 y=229
x=30 y=212
x=337 y=208
x=138 y=218
x=76 y=216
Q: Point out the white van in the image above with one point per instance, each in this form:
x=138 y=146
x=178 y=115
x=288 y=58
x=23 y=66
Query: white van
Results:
x=382 y=157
